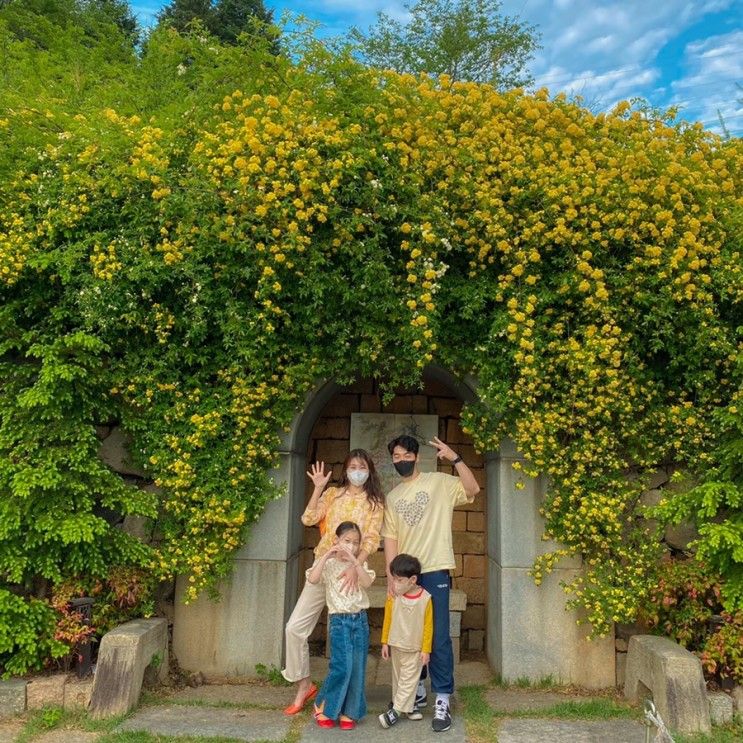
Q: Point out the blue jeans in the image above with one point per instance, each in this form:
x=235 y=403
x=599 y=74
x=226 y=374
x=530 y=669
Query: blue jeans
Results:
x=342 y=691
x=441 y=666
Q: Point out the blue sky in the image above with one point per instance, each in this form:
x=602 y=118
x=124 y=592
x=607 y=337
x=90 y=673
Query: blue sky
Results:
x=671 y=52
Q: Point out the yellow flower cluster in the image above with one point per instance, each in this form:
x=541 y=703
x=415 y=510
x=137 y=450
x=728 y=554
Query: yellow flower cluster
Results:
x=579 y=264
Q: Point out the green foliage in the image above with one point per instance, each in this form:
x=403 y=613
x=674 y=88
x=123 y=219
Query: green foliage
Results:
x=464 y=40
x=27 y=634
x=190 y=240
x=225 y=19
x=686 y=605
x=271 y=674
x=715 y=506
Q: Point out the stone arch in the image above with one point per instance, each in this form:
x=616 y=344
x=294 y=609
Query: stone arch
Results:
x=528 y=634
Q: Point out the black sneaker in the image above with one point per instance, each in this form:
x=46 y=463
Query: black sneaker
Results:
x=441 y=717
x=388 y=719
x=421 y=700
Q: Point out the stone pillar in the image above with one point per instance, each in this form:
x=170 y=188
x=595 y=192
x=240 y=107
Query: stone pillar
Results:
x=530 y=634
x=245 y=626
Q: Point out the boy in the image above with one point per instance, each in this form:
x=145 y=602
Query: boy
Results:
x=407 y=633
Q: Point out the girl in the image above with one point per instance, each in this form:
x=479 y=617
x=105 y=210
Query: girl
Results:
x=359 y=499
x=342 y=694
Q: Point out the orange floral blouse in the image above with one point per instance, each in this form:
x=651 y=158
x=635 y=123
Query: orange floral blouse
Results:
x=336 y=506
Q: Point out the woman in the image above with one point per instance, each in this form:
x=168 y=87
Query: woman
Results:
x=358 y=498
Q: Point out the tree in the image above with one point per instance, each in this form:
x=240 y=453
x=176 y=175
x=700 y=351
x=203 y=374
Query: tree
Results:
x=118 y=12
x=226 y=19
x=464 y=39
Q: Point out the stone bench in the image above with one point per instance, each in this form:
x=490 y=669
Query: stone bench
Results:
x=457 y=604
x=672 y=677
x=124 y=654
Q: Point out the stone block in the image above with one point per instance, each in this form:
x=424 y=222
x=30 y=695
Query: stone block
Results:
x=474 y=567
x=621 y=645
x=12 y=697
x=651 y=498
x=457 y=600
x=720 y=707
x=474 y=588
x=737 y=695
x=46 y=691
x=678 y=536
x=456 y=647
x=475 y=521
x=468 y=543
x=253 y=606
x=332 y=428
x=419 y=403
x=514 y=520
x=478 y=504
x=446 y=407
x=621 y=669
x=455 y=623
x=77 y=692
x=124 y=654
x=331 y=451
x=342 y=405
x=370 y=404
x=138 y=526
x=531 y=634
x=436 y=388
x=364 y=386
x=458 y=566
x=459 y=521
x=475 y=639
x=114 y=451
x=474 y=617
x=672 y=676
x=400 y=404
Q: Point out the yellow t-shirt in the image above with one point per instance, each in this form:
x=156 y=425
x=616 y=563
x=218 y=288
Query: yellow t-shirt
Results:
x=418 y=515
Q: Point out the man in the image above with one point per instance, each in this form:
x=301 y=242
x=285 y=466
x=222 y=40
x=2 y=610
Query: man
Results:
x=417 y=521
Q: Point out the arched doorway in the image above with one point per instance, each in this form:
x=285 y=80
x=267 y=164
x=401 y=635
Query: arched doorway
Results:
x=526 y=634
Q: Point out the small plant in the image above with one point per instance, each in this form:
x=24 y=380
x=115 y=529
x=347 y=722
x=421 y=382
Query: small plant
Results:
x=686 y=605
x=271 y=675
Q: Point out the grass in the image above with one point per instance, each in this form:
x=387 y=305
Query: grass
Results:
x=732 y=733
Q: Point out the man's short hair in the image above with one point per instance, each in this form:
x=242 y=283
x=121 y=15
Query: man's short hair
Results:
x=406 y=442
x=405 y=566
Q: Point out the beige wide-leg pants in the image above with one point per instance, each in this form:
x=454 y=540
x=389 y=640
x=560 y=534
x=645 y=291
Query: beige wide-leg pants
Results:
x=298 y=629
x=406 y=670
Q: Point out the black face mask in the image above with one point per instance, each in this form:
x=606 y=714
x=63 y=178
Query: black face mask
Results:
x=404 y=467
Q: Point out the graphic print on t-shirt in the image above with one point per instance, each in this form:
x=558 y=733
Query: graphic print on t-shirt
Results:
x=412 y=510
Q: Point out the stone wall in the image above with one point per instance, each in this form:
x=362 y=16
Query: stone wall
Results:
x=329 y=442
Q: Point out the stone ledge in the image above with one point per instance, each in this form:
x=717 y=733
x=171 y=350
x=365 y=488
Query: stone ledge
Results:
x=125 y=653
x=672 y=677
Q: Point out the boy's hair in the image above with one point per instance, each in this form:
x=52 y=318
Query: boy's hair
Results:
x=345 y=526
x=405 y=566
x=406 y=442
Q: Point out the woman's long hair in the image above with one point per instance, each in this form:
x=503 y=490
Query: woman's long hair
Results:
x=372 y=486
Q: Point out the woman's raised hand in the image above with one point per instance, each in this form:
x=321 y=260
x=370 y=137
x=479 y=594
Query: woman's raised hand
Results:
x=318 y=475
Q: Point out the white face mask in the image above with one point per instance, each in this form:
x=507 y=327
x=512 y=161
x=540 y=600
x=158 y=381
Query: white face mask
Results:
x=357 y=477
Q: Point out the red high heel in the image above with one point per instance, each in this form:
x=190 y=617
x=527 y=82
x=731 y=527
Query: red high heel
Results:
x=347 y=724
x=294 y=709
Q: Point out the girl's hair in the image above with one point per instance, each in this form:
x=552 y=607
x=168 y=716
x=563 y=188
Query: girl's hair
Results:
x=345 y=526
x=372 y=486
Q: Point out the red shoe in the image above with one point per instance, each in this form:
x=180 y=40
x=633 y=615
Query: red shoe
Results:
x=294 y=709
x=347 y=724
x=324 y=722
